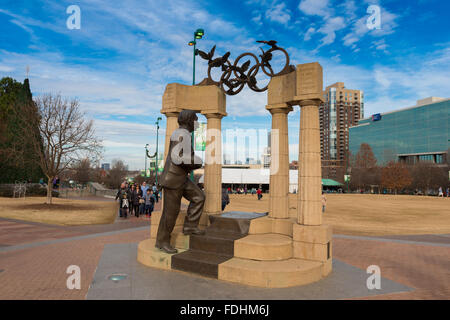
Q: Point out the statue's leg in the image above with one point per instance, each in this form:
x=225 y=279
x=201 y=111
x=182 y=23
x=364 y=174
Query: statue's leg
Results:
x=196 y=199
x=171 y=209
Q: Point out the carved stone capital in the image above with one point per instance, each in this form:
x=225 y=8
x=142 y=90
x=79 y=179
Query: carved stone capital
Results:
x=279 y=108
x=311 y=102
x=213 y=115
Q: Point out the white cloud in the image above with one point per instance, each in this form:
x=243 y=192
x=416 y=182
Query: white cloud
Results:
x=329 y=29
x=350 y=9
x=360 y=29
x=308 y=33
x=257 y=19
x=382 y=79
x=315 y=7
x=380 y=45
x=279 y=13
x=4 y=68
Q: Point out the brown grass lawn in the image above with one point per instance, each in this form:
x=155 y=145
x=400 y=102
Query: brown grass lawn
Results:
x=61 y=212
x=361 y=214
x=355 y=214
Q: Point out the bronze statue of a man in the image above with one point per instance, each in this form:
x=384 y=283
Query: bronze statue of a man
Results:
x=181 y=160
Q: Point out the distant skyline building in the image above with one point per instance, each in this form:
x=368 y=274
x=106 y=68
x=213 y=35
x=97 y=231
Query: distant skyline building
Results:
x=410 y=135
x=342 y=109
x=266 y=156
x=106 y=166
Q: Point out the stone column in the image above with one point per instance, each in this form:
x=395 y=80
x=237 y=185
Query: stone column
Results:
x=279 y=162
x=213 y=164
x=172 y=124
x=309 y=171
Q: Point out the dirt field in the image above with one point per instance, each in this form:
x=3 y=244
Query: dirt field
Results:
x=361 y=214
x=62 y=212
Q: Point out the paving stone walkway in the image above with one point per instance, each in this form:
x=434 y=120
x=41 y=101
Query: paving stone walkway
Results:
x=34 y=259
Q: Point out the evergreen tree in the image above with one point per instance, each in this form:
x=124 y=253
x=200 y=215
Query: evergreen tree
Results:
x=18 y=161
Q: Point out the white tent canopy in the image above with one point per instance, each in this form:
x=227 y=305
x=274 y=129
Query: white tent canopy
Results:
x=253 y=176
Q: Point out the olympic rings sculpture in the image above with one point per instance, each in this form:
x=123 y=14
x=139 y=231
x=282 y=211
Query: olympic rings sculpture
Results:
x=235 y=76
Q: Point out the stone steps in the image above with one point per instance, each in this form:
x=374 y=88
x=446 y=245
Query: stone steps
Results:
x=199 y=262
x=215 y=242
x=264 y=247
x=150 y=256
x=216 y=246
x=270 y=274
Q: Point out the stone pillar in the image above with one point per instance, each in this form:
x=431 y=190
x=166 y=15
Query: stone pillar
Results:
x=213 y=164
x=172 y=124
x=279 y=162
x=309 y=203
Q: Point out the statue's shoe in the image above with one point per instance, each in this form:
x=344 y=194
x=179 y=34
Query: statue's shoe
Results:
x=167 y=248
x=196 y=231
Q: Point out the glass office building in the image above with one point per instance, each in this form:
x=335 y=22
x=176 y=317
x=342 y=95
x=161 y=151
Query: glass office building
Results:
x=419 y=133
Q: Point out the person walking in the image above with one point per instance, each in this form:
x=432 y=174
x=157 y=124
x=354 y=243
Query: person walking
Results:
x=135 y=199
x=141 y=202
x=125 y=205
x=121 y=194
x=131 y=198
x=448 y=190
x=259 y=193
x=149 y=203
x=225 y=198
x=441 y=194
x=324 y=201
x=155 y=192
x=144 y=188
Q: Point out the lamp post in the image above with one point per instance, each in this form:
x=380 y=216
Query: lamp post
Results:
x=146 y=152
x=198 y=34
x=156 y=165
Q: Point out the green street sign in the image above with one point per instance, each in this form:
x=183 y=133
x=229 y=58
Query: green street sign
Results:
x=200 y=137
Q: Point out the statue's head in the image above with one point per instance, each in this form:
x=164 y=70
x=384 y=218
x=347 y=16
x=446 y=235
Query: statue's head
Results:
x=187 y=119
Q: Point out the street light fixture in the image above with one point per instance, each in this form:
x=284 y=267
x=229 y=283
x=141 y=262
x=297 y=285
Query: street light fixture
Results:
x=198 y=34
x=156 y=164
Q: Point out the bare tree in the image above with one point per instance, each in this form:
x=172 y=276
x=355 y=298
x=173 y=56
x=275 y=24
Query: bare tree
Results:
x=365 y=157
x=98 y=175
x=67 y=136
x=395 y=176
x=116 y=174
x=427 y=175
x=365 y=171
x=83 y=171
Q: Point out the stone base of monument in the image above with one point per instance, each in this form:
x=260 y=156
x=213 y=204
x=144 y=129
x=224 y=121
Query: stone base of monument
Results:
x=279 y=253
x=153 y=257
x=246 y=248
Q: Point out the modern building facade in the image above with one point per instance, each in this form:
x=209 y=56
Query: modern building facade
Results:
x=410 y=135
x=342 y=109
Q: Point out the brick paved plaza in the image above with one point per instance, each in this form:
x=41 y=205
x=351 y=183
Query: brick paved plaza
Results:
x=34 y=258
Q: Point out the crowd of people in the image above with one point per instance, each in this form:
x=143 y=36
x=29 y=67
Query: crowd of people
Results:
x=136 y=199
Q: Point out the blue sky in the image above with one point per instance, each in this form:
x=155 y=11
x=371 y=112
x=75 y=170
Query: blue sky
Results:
x=125 y=53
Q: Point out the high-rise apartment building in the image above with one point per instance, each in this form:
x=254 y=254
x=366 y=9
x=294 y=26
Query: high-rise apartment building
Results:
x=342 y=109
